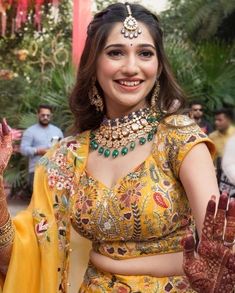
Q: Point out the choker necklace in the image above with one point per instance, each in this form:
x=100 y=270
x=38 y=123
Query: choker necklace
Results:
x=119 y=136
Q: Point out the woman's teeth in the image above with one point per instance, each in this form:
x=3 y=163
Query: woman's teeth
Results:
x=129 y=83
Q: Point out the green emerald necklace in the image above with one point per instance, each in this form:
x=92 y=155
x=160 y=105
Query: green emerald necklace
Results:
x=119 y=136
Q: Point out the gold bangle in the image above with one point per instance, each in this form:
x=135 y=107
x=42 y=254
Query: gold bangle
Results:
x=6 y=227
x=7 y=233
x=5 y=241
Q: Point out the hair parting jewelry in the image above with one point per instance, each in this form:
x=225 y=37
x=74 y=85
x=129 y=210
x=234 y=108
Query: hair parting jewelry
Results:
x=119 y=136
x=130 y=25
x=95 y=98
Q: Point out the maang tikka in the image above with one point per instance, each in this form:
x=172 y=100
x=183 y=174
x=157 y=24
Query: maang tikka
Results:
x=95 y=98
x=130 y=25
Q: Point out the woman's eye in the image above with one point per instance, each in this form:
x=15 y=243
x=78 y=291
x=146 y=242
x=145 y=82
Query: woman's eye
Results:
x=146 y=54
x=114 y=53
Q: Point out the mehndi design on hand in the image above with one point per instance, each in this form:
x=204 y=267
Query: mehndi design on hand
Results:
x=213 y=269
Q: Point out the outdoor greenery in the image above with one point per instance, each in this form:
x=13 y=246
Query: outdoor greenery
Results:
x=35 y=66
x=201 y=55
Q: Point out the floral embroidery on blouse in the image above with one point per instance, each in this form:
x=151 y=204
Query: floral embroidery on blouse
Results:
x=62 y=165
x=41 y=226
x=60 y=173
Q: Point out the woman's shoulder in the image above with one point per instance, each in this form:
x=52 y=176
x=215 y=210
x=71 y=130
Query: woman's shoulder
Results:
x=180 y=127
x=178 y=121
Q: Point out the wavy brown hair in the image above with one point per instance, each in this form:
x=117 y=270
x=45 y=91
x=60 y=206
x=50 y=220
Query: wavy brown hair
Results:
x=86 y=116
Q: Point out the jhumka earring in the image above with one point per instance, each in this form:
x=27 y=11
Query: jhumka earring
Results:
x=95 y=98
x=155 y=94
x=130 y=25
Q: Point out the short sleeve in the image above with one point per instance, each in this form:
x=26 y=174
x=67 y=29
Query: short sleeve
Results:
x=179 y=134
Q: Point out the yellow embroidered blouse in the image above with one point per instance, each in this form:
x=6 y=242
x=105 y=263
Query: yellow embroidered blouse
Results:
x=145 y=213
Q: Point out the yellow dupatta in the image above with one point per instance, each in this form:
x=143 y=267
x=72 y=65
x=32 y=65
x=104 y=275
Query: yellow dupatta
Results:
x=40 y=254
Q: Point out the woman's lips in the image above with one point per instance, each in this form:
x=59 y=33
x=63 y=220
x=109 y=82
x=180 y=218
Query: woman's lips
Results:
x=129 y=85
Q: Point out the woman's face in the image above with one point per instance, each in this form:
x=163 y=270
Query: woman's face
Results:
x=127 y=70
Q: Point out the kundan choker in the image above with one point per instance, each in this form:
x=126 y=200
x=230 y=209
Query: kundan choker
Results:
x=120 y=135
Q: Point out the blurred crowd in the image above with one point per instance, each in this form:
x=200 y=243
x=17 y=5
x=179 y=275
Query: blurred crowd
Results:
x=222 y=133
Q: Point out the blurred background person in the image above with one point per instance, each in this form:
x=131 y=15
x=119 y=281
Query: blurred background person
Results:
x=227 y=181
x=38 y=138
x=197 y=113
x=224 y=130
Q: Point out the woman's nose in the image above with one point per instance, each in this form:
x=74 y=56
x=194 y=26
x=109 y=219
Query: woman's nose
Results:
x=130 y=66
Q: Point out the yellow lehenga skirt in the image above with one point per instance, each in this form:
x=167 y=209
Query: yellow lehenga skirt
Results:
x=96 y=281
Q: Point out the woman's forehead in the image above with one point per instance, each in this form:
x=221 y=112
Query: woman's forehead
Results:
x=116 y=37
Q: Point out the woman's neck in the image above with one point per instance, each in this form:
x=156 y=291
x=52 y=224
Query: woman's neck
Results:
x=114 y=113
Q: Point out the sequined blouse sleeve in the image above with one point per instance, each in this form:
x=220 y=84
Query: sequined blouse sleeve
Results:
x=178 y=134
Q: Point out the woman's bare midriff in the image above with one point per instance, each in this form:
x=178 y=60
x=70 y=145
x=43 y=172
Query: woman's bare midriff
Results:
x=161 y=265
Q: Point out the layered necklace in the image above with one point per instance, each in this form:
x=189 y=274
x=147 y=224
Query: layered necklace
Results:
x=119 y=136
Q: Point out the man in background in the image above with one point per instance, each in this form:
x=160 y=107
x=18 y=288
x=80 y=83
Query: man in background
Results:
x=227 y=181
x=224 y=130
x=196 y=113
x=38 y=138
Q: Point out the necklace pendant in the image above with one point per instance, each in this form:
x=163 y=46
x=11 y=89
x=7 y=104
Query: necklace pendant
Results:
x=115 y=153
x=124 y=151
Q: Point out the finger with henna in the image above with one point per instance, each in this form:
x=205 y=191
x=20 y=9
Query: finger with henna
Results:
x=208 y=225
x=189 y=247
x=220 y=218
x=229 y=235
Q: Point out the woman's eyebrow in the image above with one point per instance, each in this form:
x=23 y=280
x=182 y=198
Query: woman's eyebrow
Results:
x=122 y=45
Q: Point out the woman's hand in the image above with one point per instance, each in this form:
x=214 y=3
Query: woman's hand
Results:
x=213 y=268
x=5 y=145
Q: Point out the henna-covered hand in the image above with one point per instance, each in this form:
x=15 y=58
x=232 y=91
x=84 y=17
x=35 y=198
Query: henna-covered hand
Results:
x=213 y=268
x=5 y=145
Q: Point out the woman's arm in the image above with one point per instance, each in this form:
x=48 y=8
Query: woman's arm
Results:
x=6 y=231
x=6 y=228
x=197 y=175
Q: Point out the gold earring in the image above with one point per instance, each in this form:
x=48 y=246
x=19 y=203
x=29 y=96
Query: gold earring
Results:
x=155 y=94
x=95 y=98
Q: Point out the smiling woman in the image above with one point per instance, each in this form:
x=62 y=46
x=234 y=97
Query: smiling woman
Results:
x=129 y=180
x=126 y=70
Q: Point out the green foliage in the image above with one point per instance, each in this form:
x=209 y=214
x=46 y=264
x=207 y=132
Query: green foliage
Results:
x=57 y=93
x=38 y=70
x=203 y=63
x=101 y=4
x=205 y=71
x=197 y=19
x=30 y=50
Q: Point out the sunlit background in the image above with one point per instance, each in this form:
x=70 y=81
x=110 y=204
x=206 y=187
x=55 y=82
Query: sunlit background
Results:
x=157 y=5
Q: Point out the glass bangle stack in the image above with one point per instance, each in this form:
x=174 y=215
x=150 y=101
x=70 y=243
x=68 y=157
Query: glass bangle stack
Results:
x=119 y=136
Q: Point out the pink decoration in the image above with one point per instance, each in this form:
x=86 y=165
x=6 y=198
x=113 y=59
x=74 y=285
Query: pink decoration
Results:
x=21 y=8
x=21 y=13
x=55 y=2
x=81 y=18
x=37 y=16
x=4 y=23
